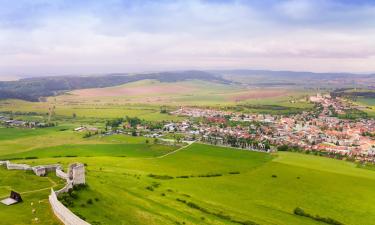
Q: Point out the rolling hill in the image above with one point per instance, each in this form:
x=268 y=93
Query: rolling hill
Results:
x=32 y=89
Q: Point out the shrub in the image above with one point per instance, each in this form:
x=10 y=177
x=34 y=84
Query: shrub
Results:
x=300 y=212
x=79 y=187
x=283 y=148
x=211 y=175
x=150 y=188
x=234 y=172
x=181 y=200
x=161 y=177
x=31 y=157
x=155 y=184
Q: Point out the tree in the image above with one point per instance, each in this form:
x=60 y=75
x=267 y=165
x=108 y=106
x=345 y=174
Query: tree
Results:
x=282 y=148
x=163 y=109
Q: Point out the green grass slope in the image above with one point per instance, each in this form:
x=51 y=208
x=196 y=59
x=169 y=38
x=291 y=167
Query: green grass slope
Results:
x=204 y=184
x=34 y=191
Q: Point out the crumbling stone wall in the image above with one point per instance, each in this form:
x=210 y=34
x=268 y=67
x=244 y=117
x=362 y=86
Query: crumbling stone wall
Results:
x=64 y=214
x=13 y=166
x=61 y=174
x=76 y=176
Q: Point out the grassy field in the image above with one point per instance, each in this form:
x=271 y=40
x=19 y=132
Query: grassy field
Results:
x=201 y=184
x=367 y=105
x=366 y=101
x=34 y=191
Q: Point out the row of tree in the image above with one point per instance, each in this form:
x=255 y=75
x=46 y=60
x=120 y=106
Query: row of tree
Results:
x=233 y=141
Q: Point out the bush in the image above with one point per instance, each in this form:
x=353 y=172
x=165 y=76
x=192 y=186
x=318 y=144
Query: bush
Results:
x=211 y=175
x=282 y=148
x=79 y=187
x=161 y=177
x=234 y=172
x=300 y=212
x=31 y=157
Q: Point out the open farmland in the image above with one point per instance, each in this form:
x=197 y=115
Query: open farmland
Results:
x=128 y=183
x=192 y=92
x=144 y=98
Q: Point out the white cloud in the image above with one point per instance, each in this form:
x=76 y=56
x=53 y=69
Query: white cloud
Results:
x=189 y=34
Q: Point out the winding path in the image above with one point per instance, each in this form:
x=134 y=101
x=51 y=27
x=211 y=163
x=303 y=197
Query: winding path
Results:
x=54 y=184
x=177 y=150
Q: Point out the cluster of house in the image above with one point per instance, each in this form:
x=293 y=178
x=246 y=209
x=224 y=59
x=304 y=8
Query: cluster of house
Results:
x=311 y=131
x=6 y=121
x=86 y=129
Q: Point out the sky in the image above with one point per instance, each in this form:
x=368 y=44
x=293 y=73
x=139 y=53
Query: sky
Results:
x=48 y=37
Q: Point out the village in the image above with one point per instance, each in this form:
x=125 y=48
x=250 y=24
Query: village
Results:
x=324 y=130
x=320 y=131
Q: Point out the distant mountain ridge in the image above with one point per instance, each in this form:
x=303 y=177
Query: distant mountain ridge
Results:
x=305 y=79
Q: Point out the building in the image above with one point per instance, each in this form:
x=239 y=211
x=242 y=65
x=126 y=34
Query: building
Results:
x=13 y=199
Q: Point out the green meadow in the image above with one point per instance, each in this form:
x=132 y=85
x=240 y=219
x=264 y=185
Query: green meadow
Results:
x=34 y=191
x=129 y=182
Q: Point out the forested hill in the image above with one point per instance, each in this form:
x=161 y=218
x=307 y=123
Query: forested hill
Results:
x=31 y=89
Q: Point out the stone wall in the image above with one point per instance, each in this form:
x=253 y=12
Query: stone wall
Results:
x=64 y=214
x=12 y=166
x=61 y=174
x=66 y=188
x=61 y=212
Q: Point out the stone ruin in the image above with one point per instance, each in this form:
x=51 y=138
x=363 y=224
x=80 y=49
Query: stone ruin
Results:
x=75 y=176
x=77 y=173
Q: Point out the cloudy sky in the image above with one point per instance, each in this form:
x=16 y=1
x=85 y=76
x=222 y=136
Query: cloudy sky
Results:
x=40 y=37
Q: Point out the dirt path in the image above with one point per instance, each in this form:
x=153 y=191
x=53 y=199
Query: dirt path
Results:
x=54 y=184
x=177 y=150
